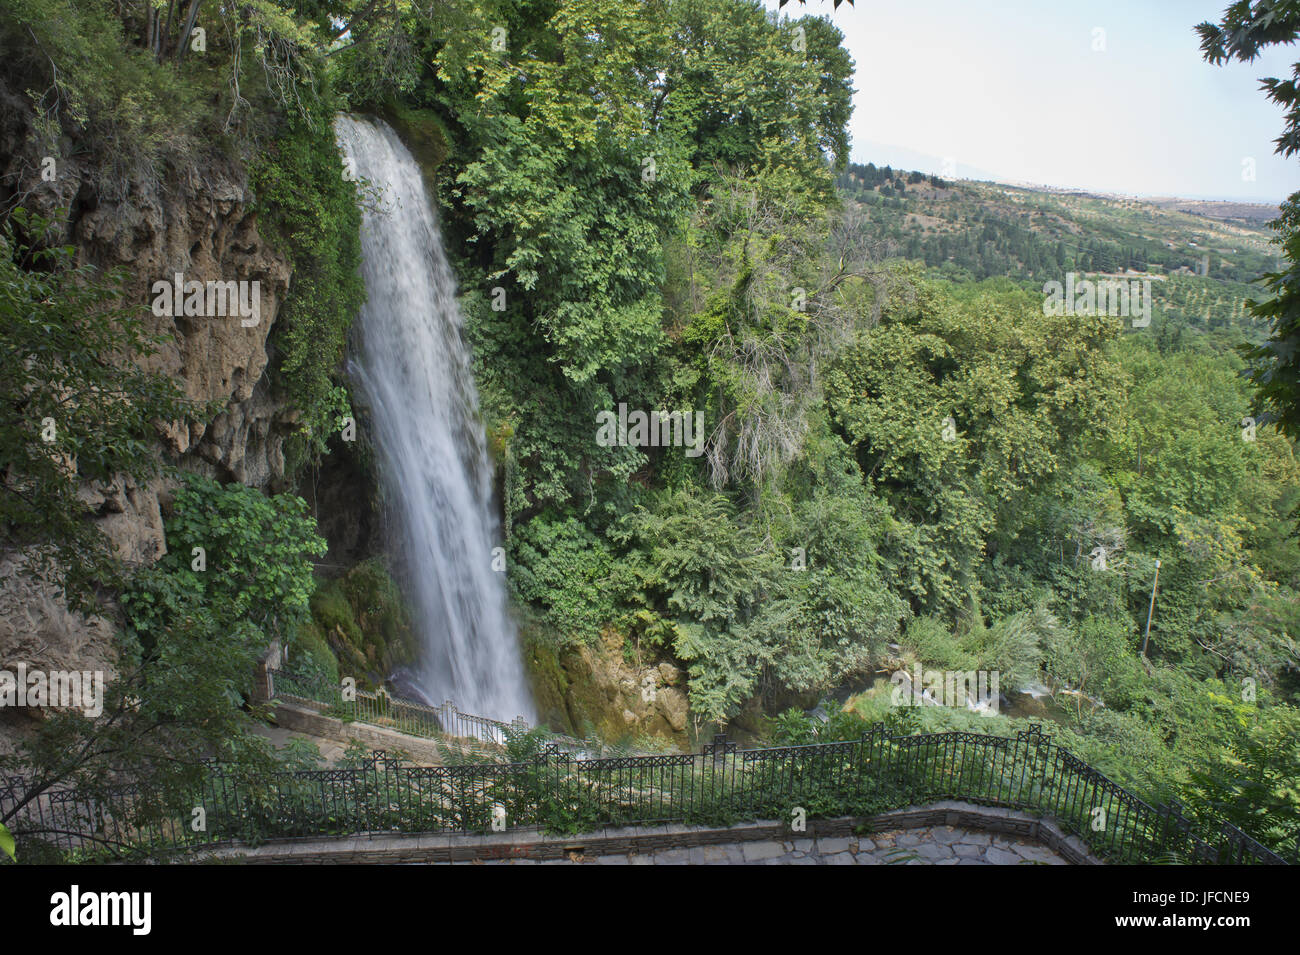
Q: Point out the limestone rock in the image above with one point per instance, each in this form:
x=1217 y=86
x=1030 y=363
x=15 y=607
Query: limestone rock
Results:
x=198 y=221
x=37 y=628
x=598 y=687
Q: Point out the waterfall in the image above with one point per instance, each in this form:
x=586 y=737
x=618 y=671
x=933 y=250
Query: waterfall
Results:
x=412 y=369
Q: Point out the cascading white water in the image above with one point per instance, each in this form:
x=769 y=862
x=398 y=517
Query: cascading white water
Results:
x=413 y=369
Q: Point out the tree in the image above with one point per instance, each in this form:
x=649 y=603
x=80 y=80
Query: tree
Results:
x=196 y=622
x=1251 y=780
x=957 y=406
x=234 y=555
x=585 y=134
x=700 y=585
x=1245 y=30
x=775 y=305
x=169 y=708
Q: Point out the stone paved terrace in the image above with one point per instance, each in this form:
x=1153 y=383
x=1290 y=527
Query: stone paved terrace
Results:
x=928 y=845
x=942 y=833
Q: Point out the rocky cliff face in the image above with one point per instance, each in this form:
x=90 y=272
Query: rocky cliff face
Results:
x=598 y=689
x=196 y=220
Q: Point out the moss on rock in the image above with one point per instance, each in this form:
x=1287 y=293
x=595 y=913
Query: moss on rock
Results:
x=363 y=619
x=423 y=133
x=597 y=691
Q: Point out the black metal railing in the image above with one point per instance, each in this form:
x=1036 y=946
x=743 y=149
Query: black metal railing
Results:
x=383 y=709
x=559 y=791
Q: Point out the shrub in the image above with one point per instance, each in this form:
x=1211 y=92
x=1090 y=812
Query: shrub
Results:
x=312 y=213
x=564 y=570
x=932 y=643
x=362 y=618
x=234 y=557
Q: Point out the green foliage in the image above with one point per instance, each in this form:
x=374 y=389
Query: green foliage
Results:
x=769 y=302
x=842 y=613
x=1127 y=749
x=1243 y=32
x=196 y=623
x=312 y=655
x=128 y=79
x=177 y=700
x=550 y=184
x=569 y=199
x=792 y=728
x=71 y=414
x=361 y=620
x=255 y=563
x=717 y=594
x=1012 y=647
x=80 y=71
x=697 y=581
x=1197 y=488
x=956 y=406
x=1252 y=780
x=307 y=202
x=1096 y=657
x=931 y=641
x=561 y=567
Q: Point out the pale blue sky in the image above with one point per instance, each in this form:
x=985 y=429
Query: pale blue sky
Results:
x=1013 y=90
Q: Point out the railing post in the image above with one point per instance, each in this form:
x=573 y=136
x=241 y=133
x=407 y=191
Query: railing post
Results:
x=370 y=792
x=1171 y=819
x=264 y=673
x=1229 y=840
x=1030 y=742
x=719 y=750
x=1042 y=755
x=543 y=788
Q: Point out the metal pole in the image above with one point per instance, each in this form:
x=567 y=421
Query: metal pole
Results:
x=1150 y=610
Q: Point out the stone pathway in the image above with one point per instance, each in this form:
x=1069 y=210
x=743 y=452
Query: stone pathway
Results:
x=930 y=845
x=331 y=751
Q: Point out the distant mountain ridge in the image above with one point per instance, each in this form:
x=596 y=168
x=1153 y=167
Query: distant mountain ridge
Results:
x=1222 y=209
x=1211 y=207
x=984 y=229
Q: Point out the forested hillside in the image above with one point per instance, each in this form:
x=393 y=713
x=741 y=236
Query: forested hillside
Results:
x=904 y=458
x=989 y=229
x=826 y=445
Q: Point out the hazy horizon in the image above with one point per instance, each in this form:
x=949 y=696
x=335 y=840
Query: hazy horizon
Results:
x=900 y=157
x=1032 y=93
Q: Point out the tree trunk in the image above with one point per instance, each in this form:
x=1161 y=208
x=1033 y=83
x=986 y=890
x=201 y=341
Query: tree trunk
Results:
x=165 y=31
x=189 y=27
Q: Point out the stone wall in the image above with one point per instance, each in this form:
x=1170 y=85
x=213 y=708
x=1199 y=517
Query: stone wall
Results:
x=311 y=722
x=197 y=219
x=529 y=844
x=593 y=690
